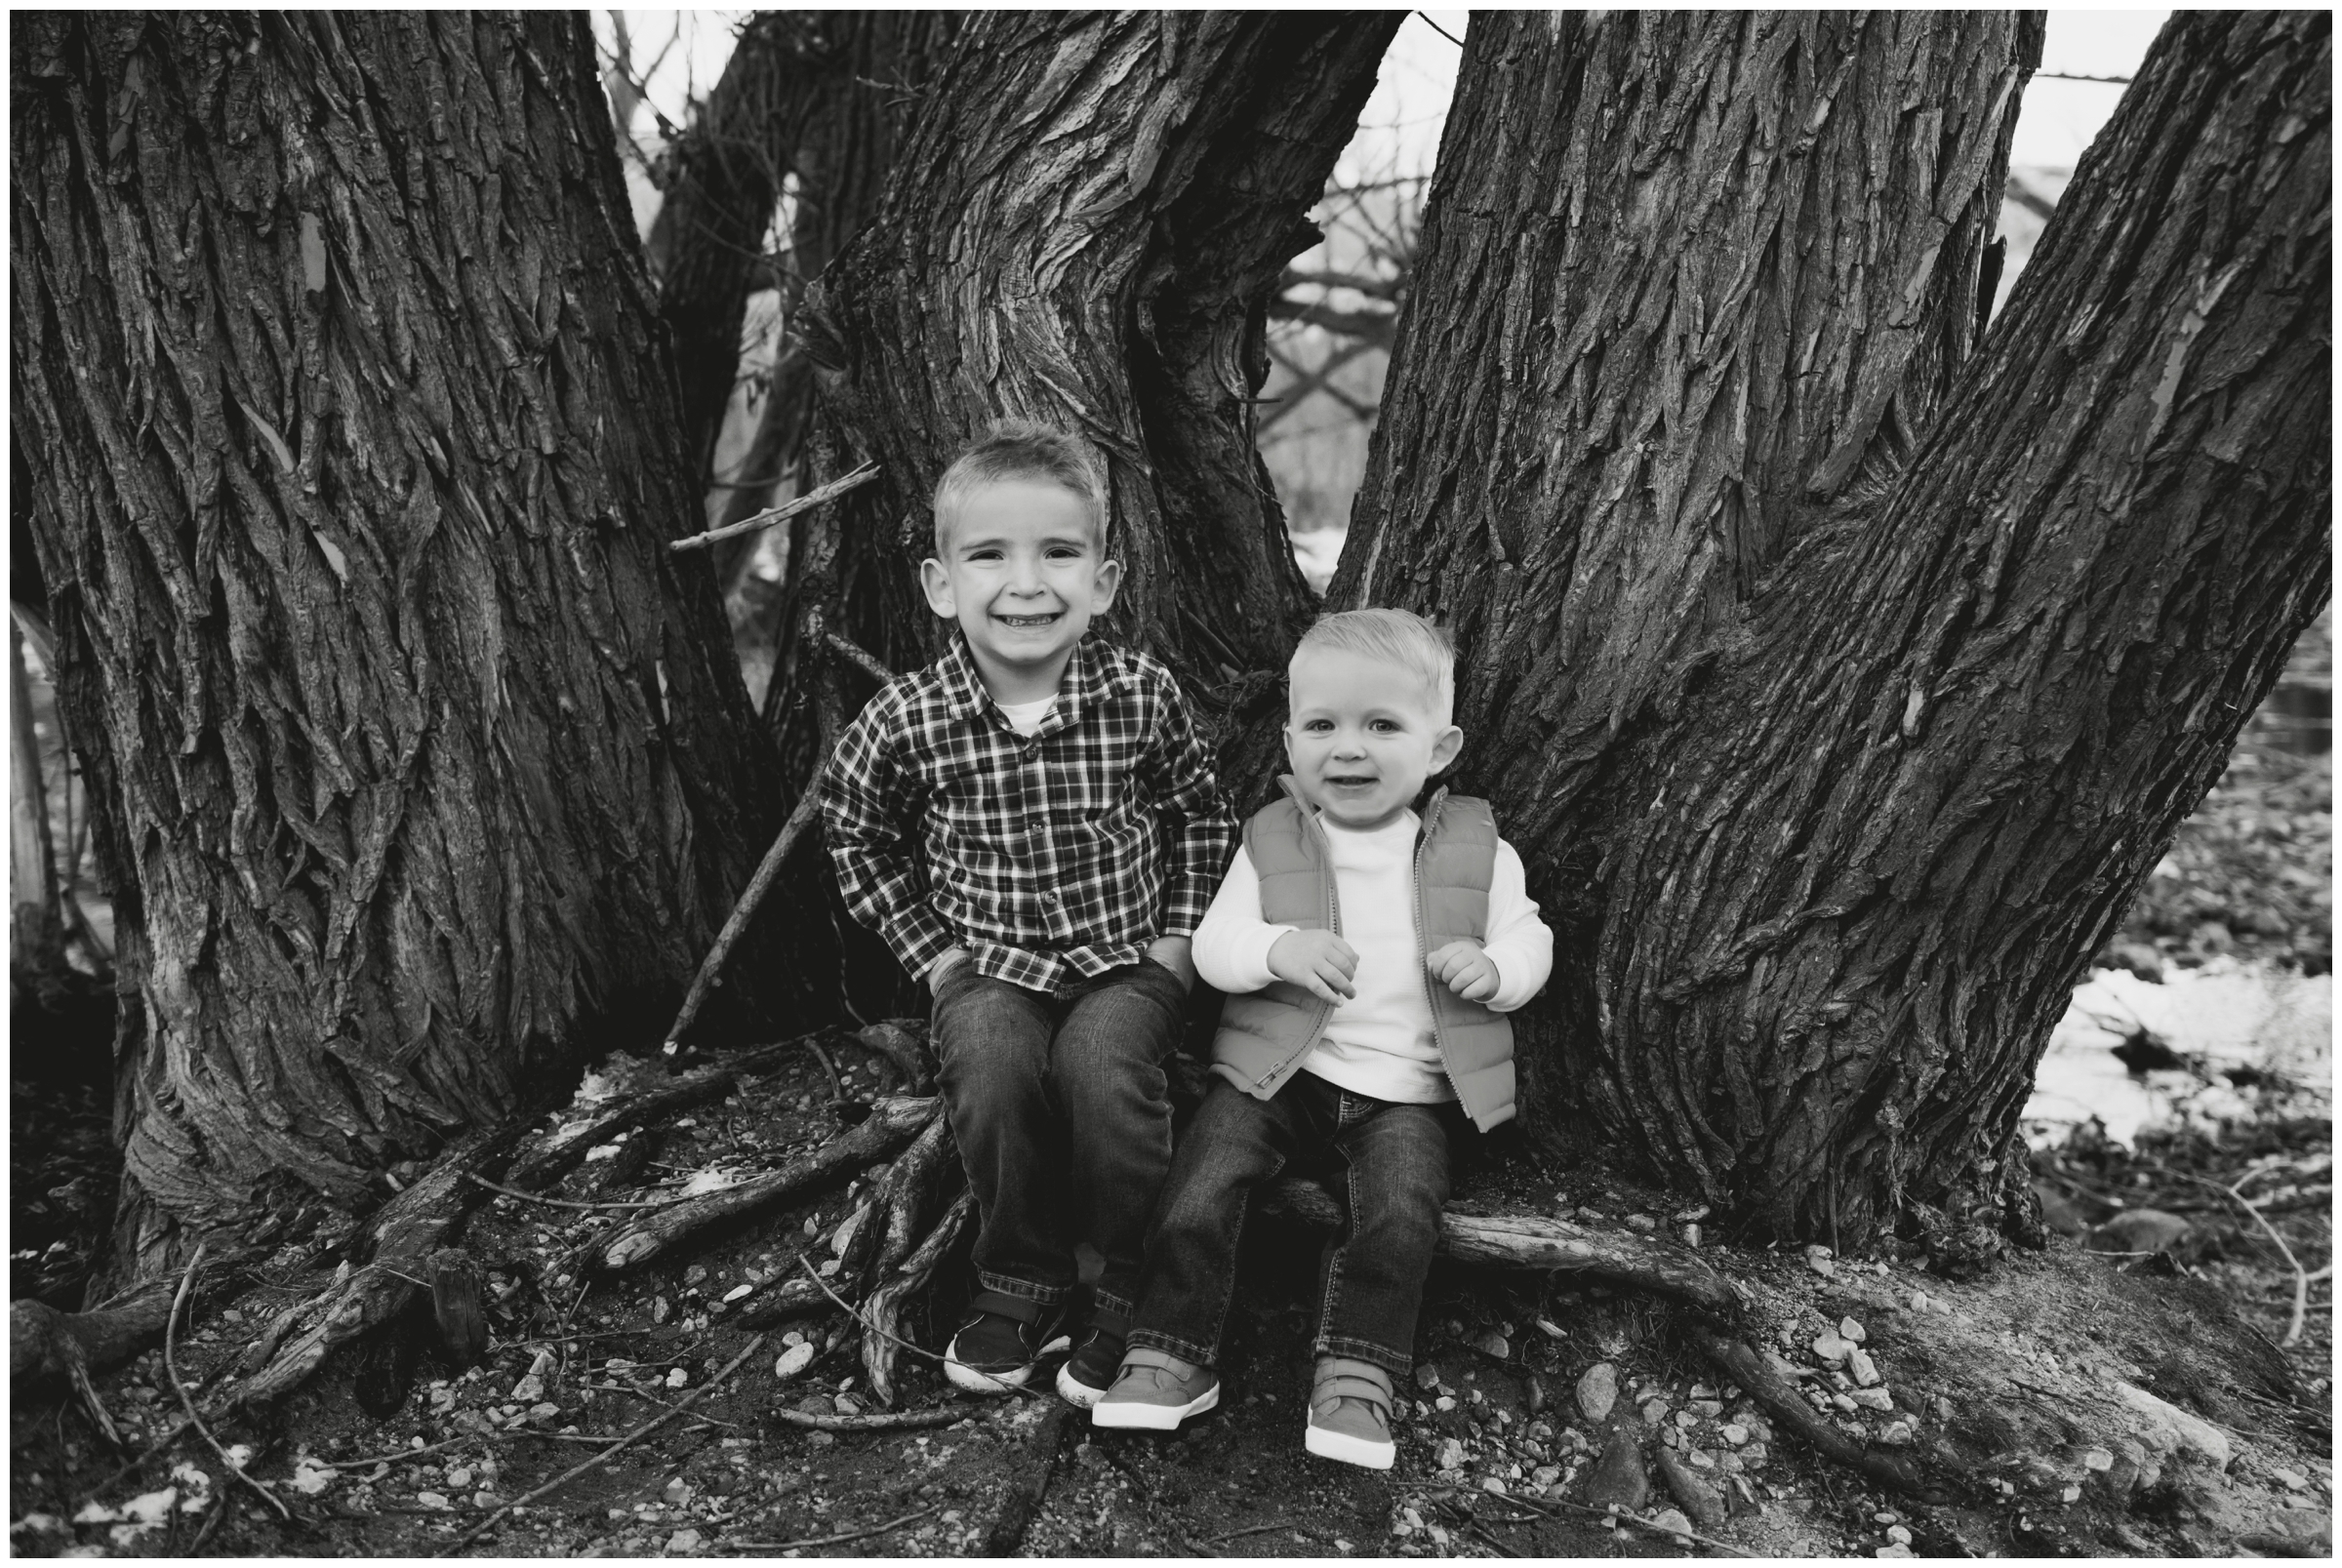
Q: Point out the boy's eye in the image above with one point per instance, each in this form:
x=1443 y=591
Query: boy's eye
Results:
x=1317 y=726
x=1064 y=553
x=1383 y=726
x=984 y=554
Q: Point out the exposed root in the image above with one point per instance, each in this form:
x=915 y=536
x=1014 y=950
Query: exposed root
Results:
x=50 y=1347
x=1781 y=1402
x=187 y=1400
x=884 y=1311
x=892 y=1123
x=1533 y=1243
x=1024 y=1500
x=873 y=1421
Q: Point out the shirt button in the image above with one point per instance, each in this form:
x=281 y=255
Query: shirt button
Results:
x=1049 y=899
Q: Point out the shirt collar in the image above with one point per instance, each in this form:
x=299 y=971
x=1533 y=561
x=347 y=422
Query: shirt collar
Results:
x=1096 y=671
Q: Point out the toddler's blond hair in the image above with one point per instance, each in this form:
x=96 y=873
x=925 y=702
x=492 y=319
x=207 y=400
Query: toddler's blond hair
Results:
x=1397 y=638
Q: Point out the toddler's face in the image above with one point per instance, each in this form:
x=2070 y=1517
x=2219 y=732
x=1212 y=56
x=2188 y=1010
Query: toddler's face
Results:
x=1363 y=735
x=1023 y=574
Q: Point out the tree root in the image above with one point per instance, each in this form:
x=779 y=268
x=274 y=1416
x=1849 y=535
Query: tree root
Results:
x=876 y=1421
x=1532 y=1242
x=893 y=1122
x=1006 y=1532
x=46 y=1347
x=1781 y=1402
x=407 y=1234
x=884 y=1311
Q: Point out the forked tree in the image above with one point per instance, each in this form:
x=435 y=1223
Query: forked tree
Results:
x=1843 y=668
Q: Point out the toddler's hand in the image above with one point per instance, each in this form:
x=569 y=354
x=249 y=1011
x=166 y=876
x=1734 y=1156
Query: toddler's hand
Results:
x=1177 y=954
x=1318 y=962
x=1466 y=970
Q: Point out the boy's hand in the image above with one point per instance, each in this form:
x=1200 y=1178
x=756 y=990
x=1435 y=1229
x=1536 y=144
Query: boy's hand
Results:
x=1466 y=970
x=1177 y=955
x=1318 y=962
x=943 y=966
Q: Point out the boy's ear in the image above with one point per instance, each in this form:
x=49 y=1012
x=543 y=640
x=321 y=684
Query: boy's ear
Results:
x=937 y=583
x=1110 y=579
x=1445 y=748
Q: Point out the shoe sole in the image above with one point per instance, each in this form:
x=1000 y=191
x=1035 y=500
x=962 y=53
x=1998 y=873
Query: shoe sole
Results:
x=1130 y=1416
x=962 y=1376
x=1075 y=1392
x=1326 y=1443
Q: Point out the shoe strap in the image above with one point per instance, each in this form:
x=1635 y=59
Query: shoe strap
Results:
x=1107 y=1321
x=1007 y=1305
x=1147 y=1355
x=1335 y=1388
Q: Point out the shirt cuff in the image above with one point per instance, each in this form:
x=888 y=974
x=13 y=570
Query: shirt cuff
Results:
x=918 y=938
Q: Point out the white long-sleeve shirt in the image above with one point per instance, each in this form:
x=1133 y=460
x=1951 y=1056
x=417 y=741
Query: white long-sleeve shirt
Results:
x=1378 y=1042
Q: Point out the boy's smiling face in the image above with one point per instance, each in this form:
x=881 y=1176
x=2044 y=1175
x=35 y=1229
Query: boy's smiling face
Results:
x=1023 y=571
x=1363 y=735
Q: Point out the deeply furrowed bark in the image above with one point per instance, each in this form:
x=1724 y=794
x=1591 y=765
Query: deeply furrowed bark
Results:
x=415 y=760
x=1834 y=770
x=1085 y=230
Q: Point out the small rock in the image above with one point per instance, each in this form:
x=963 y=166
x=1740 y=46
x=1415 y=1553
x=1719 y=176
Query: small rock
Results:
x=682 y=1541
x=1550 y=1330
x=1873 y=1399
x=677 y=1492
x=460 y=1476
x=1699 y=1499
x=1451 y=1453
x=1735 y=1433
x=1492 y=1483
x=431 y=1499
x=1598 y=1391
x=1641 y=1221
x=1426 y=1376
x=2169 y=1428
x=1619 y=1476
x=1654 y=1411
x=1896 y=1434
x=543 y=1413
x=2098 y=1459
x=1865 y=1370
x=1545 y=1476
x=677 y=1378
x=2139 y=1231
x=1489 y=1343
x=1900 y=1536
x=1851 y=1331
x=1844 y=1403
x=1892 y=1551
x=1819 y=1260
x=2293 y=1479
x=847 y=1406
x=793 y=1361
x=1831 y=1347
x=1673 y=1519
x=531 y=1387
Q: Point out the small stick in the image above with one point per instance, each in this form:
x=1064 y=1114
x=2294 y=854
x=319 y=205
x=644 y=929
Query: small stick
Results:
x=1248 y=1530
x=187 y=1282
x=2301 y=1281
x=1624 y=1518
x=568 y=1203
x=854 y=653
x=829 y=1541
x=783 y=512
x=759 y=886
x=883 y=1421
x=394 y=1455
x=1482 y=1531
x=610 y=1453
x=837 y=1085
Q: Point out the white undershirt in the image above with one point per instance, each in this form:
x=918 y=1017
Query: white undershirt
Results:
x=1378 y=1042
x=1025 y=717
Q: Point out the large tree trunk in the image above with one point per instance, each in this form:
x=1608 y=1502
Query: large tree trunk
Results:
x=415 y=760
x=1837 y=763
x=1086 y=230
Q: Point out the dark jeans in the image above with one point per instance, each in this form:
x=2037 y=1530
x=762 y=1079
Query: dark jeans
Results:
x=1370 y=1279
x=1063 y=1116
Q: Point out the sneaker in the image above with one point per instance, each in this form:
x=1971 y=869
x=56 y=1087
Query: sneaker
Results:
x=1349 y=1414
x=994 y=1351
x=1154 y=1391
x=1084 y=1378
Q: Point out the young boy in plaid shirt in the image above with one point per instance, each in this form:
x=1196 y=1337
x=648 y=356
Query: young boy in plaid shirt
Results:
x=1033 y=827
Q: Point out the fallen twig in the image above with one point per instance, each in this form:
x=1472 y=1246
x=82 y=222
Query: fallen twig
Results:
x=780 y=513
x=892 y=1123
x=1544 y=1505
x=828 y=1540
x=570 y=1203
x=607 y=1454
x=178 y=1385
x=1248 y=1530
x=767 y=874
x=837 y=1085
x=395 y=1455
x=1485 y=1534
x=2301 y=1280
x=856 y=654
x=878 y=1421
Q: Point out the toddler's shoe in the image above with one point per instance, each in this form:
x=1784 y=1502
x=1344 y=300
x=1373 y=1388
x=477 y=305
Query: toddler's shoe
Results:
x=1084 y=1378
x=1350 y=1413
x=1154 y=1391
x=994 y=1351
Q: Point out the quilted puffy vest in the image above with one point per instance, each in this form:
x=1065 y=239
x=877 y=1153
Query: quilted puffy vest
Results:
x=1265 y=1034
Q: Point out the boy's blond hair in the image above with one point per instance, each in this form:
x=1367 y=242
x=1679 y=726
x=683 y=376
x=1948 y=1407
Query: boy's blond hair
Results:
x=1399 y=637
x=1017 y=449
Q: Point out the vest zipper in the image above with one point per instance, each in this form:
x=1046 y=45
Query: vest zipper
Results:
x=1423 y=967
x=1333 y=923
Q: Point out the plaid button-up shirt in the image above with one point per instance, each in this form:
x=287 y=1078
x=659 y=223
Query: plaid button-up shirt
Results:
x=1049 y=856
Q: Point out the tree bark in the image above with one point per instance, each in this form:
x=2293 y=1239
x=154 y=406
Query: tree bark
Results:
x=1837 y=763
x=1085 y=230
x=415 y=761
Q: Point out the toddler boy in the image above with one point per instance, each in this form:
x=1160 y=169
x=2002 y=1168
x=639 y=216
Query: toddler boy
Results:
x=1033 y=825
x=1369 y=955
